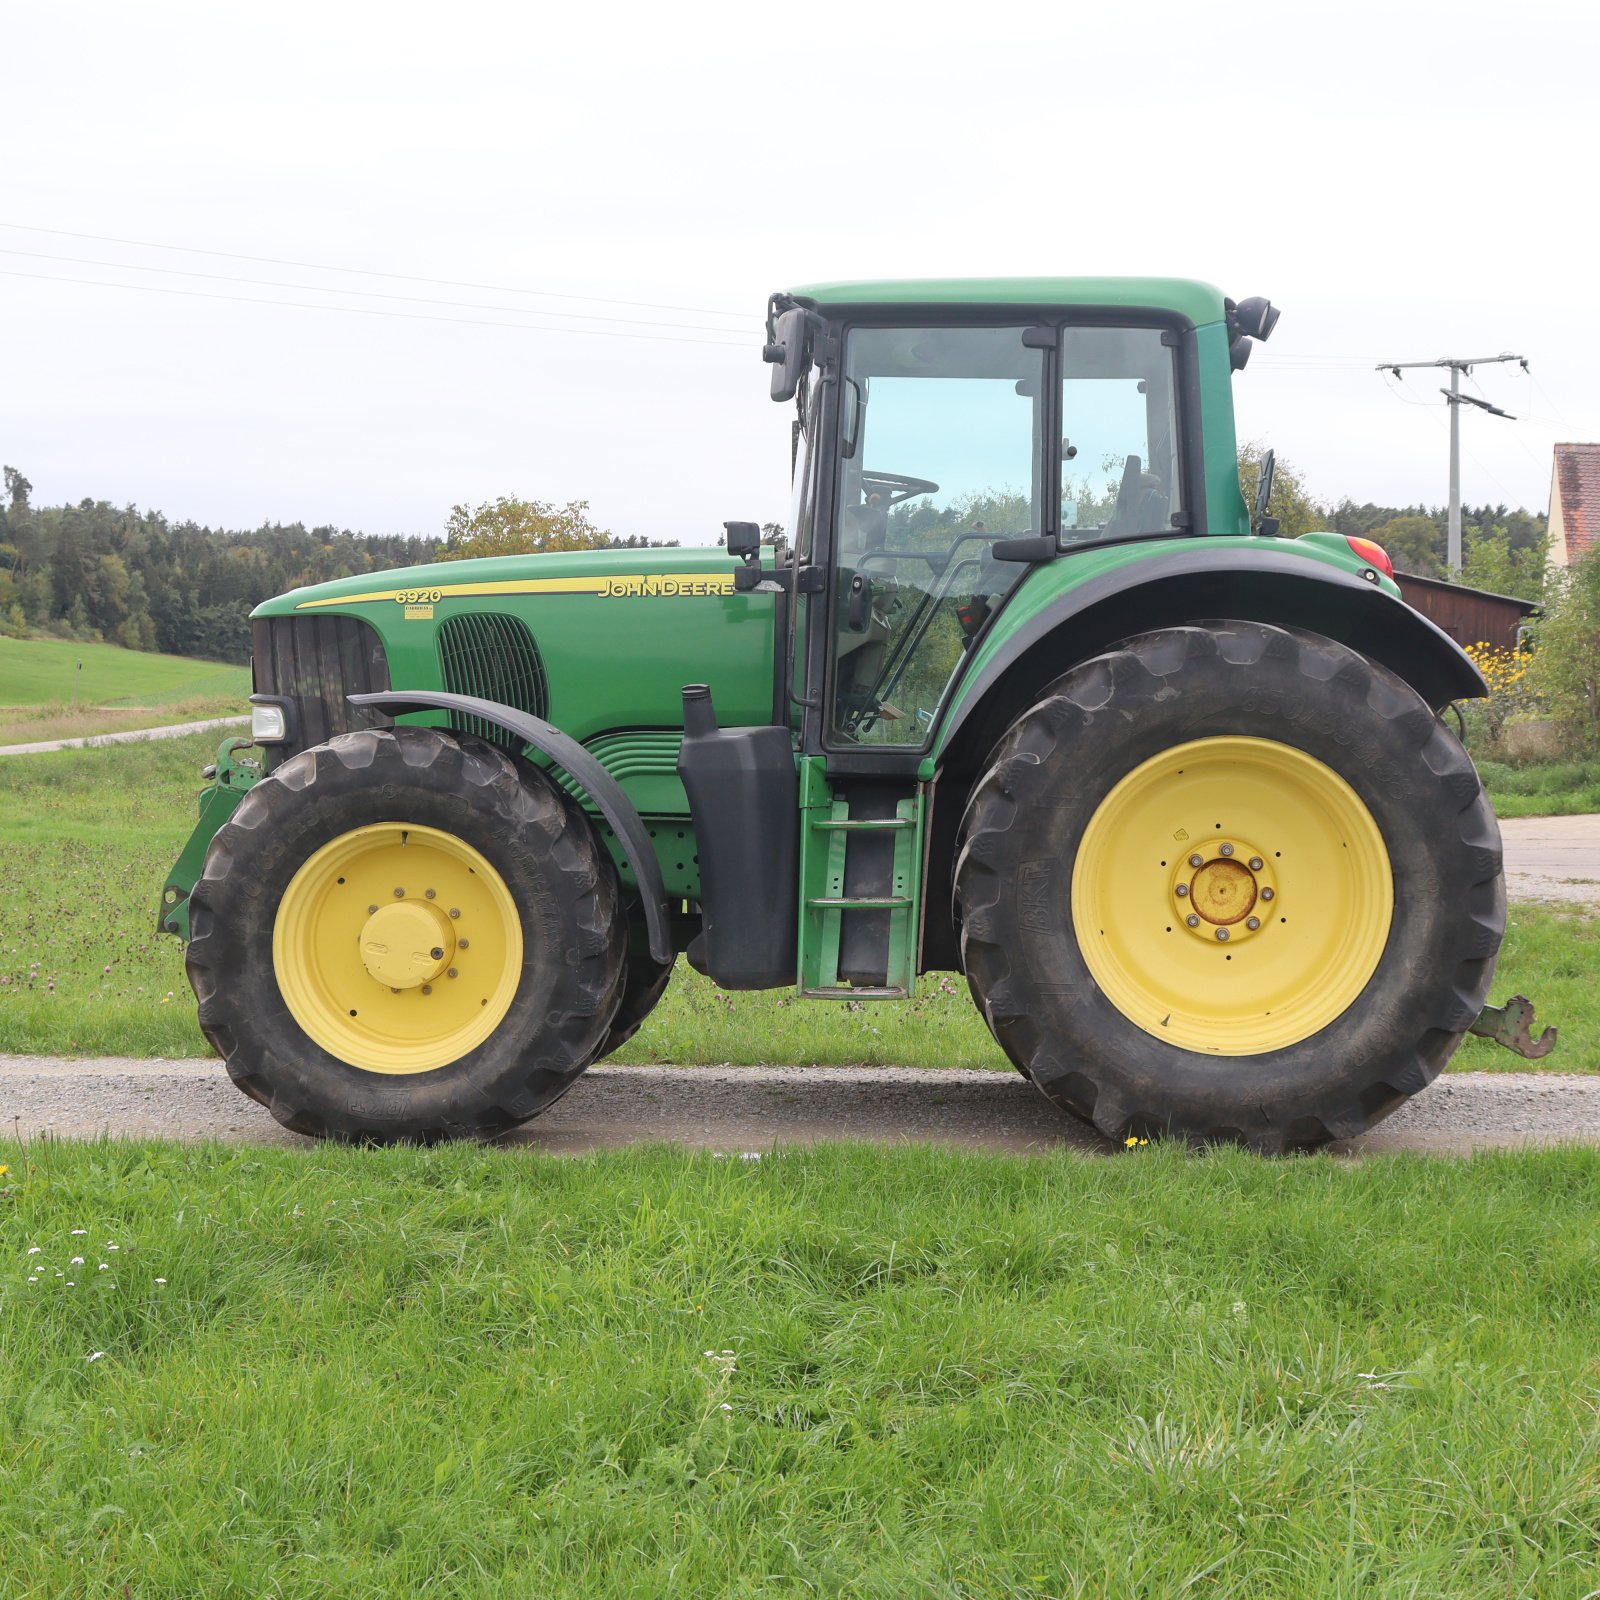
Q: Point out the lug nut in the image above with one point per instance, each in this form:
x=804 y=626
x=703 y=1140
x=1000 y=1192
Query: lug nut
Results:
x=399 y=894
x=429 y=893
x=1192 y=920
x=372 y=911
x=1268 y=894
x=461 y=944
x=437 y=953
x=452 y=973
x=1227 y=850
x=1196 y=861
x=1181 y=890
x=427 y=988
x=1222 y=933
x=1255 y=863
x=455 y=911
x=1252 y=923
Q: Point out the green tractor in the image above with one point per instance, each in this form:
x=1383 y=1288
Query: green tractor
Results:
x=1025 y=693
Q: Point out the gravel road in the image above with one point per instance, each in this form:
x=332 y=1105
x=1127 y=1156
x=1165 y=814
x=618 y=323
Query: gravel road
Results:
x=754 y=1108
x=174 y=730
x=1552 y=858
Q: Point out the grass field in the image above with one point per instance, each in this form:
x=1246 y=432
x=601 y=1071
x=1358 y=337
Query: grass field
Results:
x=118 y=689
x=472 y=1372
x=1545 y=789
x=86 y=837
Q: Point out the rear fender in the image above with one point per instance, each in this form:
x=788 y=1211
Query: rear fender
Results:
x=1183 y=587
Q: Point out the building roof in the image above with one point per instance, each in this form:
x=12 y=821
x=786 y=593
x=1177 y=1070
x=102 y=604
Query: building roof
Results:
x=1441 y=586
x=1577 y=481
x=1199 y=302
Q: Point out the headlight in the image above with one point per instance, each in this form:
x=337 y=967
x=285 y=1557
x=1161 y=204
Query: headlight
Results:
x=269 y=721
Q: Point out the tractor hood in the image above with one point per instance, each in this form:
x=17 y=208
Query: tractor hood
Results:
x=599 y=572
x=595 y=641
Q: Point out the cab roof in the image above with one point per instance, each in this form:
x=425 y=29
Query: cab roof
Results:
x=1199 y=302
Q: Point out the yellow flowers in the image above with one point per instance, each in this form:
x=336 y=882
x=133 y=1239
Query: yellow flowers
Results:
x=5 y=1172
x=1132 y=1140
x=1503 y=670
x=1513 y=689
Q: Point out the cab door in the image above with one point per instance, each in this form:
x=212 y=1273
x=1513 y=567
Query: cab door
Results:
x=941 y=446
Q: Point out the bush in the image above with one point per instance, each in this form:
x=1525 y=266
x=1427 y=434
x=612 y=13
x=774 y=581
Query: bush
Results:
x=1566 y=665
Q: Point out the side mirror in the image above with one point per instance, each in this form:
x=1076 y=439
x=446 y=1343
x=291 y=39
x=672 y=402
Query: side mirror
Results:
x=785 y=352
x=744 y=538
x=744 y=541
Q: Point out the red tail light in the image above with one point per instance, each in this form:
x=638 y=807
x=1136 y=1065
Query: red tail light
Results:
x=1373 y=554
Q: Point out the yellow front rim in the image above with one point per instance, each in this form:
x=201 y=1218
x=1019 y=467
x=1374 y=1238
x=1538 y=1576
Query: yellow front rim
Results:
x=1232 y=896
x=397 y=948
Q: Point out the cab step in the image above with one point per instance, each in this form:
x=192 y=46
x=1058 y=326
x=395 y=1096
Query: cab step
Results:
x=861 y=885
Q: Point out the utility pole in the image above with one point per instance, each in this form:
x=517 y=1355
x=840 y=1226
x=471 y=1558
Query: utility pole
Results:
x=1455 y=400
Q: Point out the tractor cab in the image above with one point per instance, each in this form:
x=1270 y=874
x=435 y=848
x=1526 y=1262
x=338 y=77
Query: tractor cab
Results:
x=950 y=436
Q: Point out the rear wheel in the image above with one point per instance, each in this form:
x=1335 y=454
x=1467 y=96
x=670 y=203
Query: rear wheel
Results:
x=400 y=935
x=1231 y=883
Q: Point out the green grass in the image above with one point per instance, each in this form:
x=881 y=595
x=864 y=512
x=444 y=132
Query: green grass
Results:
x=87 y=836
x=472 y=1372
x=37 y=672
x=1543 y=789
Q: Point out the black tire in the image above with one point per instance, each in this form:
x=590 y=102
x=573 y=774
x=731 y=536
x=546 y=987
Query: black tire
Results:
x=642 y=987
x=1092 y=727
x=560 y=879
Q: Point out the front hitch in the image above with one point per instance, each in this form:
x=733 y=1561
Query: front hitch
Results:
x=1511 y=1025
x=227 y=781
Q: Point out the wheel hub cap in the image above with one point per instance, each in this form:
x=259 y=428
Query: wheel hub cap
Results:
x=1223 y=892
x=1229 y=895
x=407 y=943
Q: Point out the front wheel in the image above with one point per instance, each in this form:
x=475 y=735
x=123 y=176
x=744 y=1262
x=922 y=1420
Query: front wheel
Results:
x=400 y=935
x=1230 y=882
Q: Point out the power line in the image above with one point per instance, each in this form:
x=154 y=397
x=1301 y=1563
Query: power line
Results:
x=1406 y=400
x=368 y=294
x=369 y=272
x=370 y=311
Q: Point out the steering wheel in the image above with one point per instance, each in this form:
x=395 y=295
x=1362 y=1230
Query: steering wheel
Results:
x=896 y=486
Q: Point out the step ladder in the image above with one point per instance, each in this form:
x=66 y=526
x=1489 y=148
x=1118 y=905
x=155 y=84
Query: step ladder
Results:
x=827 y=835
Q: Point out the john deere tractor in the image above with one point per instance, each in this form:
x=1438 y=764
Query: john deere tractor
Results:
x=1025 y=693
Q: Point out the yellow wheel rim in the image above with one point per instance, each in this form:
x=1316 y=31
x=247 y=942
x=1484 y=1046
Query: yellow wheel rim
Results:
x=1232 y=896
x=397 y=948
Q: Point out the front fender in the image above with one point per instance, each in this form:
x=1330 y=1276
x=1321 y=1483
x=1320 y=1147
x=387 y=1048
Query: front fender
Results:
x=568 y=754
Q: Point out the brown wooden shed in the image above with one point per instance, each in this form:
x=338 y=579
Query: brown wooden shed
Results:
x=1469 y=616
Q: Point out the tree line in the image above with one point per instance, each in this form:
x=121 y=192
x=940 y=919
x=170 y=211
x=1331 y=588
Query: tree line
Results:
x=95 y=571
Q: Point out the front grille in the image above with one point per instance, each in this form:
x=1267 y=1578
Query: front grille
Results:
x=492 y=656
x=316 y=662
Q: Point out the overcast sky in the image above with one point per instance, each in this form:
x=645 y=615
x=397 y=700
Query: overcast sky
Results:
x=1404 y=180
